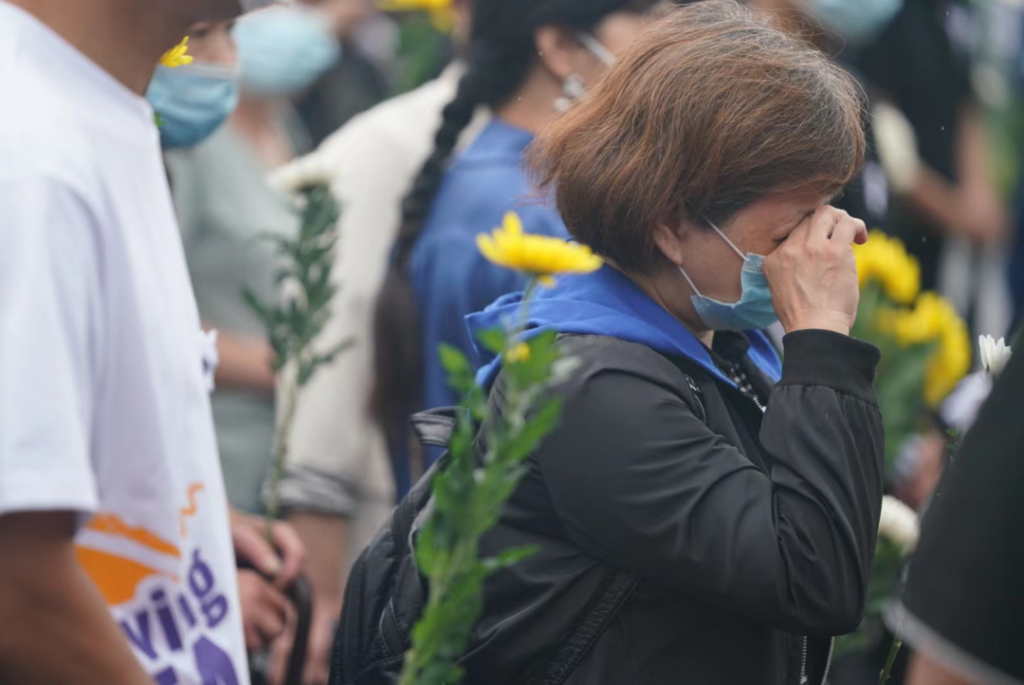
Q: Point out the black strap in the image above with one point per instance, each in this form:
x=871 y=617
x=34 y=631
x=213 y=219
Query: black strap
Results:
x=617 y=588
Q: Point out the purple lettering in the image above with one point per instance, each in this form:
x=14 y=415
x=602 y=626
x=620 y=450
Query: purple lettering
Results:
x=215 y=610
x=141 y=639
x=200 y=577
x=166 y=677
x=187 y=610
x=163 y=612
x=214 y=665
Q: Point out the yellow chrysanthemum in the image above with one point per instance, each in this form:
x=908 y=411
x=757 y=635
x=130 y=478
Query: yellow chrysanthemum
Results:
x=950 y=363
x=885 y=260
x=539 y=256
x=442 y=14
x=518 y=353
x=178 y=56
x=925 y=323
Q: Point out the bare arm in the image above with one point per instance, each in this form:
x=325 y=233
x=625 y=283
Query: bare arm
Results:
x=244 y=362
x=58 y=628
x=927 y=672
x=971 y=207
x=326 y=539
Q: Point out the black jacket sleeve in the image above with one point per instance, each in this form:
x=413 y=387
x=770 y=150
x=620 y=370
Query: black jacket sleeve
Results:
x=641 y=483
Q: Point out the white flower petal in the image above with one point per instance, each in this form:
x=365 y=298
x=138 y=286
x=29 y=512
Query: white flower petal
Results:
x=994 y=355
x=899 y=523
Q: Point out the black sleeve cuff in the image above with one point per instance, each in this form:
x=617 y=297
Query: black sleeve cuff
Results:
x=833 y=360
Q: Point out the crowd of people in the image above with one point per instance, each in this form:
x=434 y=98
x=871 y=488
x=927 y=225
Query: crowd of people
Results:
x=721 y=456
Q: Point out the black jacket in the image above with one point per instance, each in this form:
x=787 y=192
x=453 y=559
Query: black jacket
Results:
x=746 y=531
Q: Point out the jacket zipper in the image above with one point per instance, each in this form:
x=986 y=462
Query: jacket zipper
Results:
x=803 y=663
x=828 y=662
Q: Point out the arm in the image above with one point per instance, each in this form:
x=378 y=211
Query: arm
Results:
x=639 y=481
x=58 y=628
x=971 y=207
x=927 y=672
x=244 y=362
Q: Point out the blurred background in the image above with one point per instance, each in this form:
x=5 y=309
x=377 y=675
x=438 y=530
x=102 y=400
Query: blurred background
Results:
x=945 y=176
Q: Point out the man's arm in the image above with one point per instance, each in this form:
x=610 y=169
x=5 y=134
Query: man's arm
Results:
x=927 y=672
x=57 y=628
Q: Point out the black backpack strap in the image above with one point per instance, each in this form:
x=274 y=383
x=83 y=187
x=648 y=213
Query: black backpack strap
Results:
x=616 y=589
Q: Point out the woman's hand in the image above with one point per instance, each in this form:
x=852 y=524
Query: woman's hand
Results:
x=813 y=274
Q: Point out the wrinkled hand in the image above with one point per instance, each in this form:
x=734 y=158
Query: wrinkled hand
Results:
x=264 y=610
x=813 y=274
x=283 y=561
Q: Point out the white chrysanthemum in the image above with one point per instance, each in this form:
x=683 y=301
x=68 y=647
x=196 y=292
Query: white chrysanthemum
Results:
x=899 y=524
x=995 y=355
x=312 y=170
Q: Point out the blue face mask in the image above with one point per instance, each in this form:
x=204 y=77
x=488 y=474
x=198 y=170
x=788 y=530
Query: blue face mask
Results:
x=192 y=102
x=857 y=21
x=283 y=51
x=754 y=311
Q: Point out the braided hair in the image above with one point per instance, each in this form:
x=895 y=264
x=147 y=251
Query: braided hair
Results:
x=499 y=57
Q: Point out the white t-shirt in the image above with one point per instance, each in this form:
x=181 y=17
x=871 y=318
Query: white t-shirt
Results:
x=103 y=404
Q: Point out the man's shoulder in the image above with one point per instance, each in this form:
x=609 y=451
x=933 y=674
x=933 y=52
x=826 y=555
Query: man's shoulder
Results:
x=39 y=132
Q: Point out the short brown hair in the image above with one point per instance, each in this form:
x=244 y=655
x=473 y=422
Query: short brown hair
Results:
x=711 y=110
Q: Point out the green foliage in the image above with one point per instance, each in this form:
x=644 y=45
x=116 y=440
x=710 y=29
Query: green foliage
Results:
x=483 y=470
x=295 y=322
x=423 y=51
x=900 y=379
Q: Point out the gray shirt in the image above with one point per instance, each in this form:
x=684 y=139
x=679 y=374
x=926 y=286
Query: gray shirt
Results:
x=224 y=206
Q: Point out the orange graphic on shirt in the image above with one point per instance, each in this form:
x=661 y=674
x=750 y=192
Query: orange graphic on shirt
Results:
x=117 y=576
x=191 y=509
x=116 y=526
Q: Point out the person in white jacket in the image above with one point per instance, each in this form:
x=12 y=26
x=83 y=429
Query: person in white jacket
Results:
x=338 y=486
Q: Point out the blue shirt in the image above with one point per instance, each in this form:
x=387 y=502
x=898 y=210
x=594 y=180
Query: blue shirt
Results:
x=450 y=277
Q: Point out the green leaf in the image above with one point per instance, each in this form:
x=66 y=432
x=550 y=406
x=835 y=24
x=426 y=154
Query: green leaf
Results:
x=510 y=557
x=493 y=340
x=537 y=427
x=257 y=307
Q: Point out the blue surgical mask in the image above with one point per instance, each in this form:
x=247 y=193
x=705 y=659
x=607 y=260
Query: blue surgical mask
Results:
x=192 y=101
x=754 y=311
x=857 y=21
x=283 y=50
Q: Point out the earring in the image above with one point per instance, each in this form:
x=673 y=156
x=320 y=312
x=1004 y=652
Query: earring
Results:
x=572 y=89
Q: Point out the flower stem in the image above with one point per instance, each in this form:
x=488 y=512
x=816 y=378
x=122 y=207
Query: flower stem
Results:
x=897 y=643
x=524 y=307
x=281 y=445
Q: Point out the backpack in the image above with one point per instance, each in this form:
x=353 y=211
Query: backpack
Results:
x=386 y=593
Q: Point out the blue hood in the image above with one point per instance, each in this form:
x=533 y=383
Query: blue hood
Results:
x=609 y=304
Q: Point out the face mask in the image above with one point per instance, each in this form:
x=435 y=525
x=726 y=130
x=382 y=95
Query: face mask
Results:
x=754 y=311
x=192 y=101
x=855 y=20
x=253 y=5
x=283 y=50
